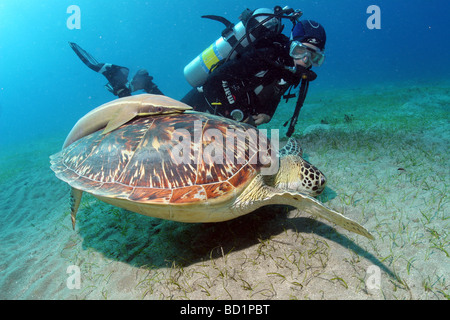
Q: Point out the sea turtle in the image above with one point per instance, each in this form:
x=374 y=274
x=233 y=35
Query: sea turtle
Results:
x=190 y=167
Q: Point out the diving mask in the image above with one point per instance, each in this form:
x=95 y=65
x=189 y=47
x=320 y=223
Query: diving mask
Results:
x=300 y=51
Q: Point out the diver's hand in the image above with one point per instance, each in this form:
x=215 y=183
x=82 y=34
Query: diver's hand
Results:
x=261 y=118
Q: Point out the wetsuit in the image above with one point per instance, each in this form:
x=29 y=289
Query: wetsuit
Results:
x=253 y=83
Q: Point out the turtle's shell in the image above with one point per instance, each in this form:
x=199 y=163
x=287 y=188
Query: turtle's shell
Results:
x=169 y=159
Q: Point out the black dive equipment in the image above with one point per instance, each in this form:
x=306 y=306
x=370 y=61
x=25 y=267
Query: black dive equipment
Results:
x=84 y=56
x=234 y=38
x=116 y=75
x=307 y=75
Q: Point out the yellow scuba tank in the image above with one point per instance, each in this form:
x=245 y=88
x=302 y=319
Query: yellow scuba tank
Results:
x=233 y=40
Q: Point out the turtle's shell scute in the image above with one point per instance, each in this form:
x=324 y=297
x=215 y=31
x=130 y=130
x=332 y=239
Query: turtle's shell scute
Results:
x=137 y=161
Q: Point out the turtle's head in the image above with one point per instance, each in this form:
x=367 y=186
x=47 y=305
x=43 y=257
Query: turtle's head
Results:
x=298 y=174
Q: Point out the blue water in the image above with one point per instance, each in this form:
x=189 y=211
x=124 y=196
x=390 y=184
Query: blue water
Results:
x=44 y=87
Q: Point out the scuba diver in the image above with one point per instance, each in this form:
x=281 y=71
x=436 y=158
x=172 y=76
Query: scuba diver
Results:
x=117 y=76
x=247 y=80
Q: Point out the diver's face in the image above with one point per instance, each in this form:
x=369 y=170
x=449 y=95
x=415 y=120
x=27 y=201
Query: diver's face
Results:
x=306 y=60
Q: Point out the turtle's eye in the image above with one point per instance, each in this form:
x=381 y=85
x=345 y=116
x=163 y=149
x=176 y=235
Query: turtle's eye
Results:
x=159 y=109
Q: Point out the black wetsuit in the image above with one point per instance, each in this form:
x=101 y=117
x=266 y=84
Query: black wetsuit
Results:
x=253 y=83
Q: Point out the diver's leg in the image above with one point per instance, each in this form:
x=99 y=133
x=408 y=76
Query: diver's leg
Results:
x=118 y=79
x=87 y=59
x=143 y=81
x=116 y=75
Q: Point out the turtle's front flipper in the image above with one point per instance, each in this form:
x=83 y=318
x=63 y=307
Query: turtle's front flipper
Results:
x=75 y=199
x=258 y=194
x=313 y=206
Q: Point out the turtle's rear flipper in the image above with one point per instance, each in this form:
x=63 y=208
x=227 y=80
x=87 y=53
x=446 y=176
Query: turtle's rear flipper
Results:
x=75 y=199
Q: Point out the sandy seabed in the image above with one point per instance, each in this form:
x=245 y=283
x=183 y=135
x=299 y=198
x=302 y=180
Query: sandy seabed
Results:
x=385 y=153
